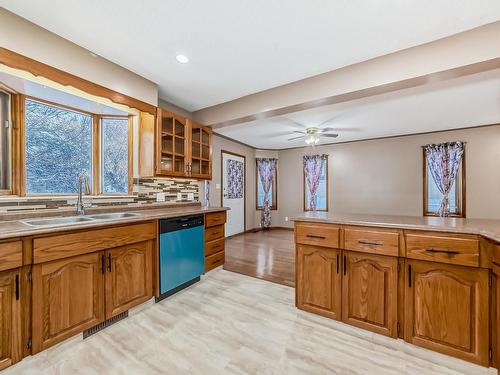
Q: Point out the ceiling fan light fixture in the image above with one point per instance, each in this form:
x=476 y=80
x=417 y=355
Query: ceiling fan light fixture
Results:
x=312 y=139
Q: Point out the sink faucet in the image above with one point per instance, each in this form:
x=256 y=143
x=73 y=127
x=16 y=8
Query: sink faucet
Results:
x=83 y=188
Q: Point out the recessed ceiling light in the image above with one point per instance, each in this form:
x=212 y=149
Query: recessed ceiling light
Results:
x=182 y=59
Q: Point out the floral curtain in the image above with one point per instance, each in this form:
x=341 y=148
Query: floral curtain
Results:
x=444 y=160
x=313 y=168
x=266 y=168
x=235 y=179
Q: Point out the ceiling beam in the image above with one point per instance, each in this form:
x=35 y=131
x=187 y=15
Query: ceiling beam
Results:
x=466 y=53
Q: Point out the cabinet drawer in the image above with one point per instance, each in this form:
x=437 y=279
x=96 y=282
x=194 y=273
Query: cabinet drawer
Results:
x=86 y=241
x=214 y=260
x=372 y=240
x=214 y=233
x=439 y=247
x=213 y=247
x=216 y=218
x=11 y=255
x=325 y=235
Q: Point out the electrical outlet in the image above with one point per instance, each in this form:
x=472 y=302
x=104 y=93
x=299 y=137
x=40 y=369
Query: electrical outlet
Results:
x=287 y=218
x=217 y=186
x=190 y=196
x=179 y=196
x=160 y=197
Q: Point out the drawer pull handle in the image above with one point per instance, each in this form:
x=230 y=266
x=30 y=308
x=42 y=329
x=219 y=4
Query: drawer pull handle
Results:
x=366 y=242
x=316 y=236
x=438 y=251
x=495 y=263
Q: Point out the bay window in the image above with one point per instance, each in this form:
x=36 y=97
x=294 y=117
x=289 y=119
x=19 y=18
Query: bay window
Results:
x=61 y=143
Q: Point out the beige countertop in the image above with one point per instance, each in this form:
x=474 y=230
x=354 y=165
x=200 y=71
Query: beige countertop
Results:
x=484 y=227
x=17 y=228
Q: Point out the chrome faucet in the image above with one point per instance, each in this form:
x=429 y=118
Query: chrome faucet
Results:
x=83 y=188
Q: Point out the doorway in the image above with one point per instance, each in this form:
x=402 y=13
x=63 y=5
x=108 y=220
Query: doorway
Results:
x=234 y=191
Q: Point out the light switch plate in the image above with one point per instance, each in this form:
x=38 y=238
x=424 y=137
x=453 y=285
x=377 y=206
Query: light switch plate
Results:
x=160 y=197
x=217 y=186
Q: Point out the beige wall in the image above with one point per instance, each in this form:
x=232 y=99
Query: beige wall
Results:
x=173 y=108
x=21 y=36
x=385 y=176
x=219 y=144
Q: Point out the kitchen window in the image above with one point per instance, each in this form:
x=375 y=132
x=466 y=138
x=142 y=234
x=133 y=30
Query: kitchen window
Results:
x=322 y=191
x=115 y=163
x=58 y=148
x=61 y=143
x=273 y=192
x=433 y=197
x=5 y=143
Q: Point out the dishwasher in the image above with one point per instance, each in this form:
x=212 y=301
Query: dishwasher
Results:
x=181 y=253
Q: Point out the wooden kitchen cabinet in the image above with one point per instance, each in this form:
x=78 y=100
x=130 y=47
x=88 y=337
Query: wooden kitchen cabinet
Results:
x=200 y=161
x=68 y=298
x=10 y=318
x=318 y=280
x=172 y=144
x=446 y=309
x=128 y=280
x=369 y=292
x=495 y=314
x=183 y=147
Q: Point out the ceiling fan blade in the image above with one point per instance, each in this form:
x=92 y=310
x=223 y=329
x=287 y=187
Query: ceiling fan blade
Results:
x=330 y=135
x=296 y=131
x=294 y=138
x=325 y=130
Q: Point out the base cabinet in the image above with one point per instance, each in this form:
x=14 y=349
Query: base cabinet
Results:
x=76 y=293
x=10 y=318
x=129 y=277
x=318 y=285
x=446 y=309
x=68 y=298
x=369 y=292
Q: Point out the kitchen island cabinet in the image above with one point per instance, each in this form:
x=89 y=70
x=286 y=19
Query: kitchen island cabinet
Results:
x=436 y=289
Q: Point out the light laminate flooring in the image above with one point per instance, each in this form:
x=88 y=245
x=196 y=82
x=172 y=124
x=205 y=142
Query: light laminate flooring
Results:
x=233 y=324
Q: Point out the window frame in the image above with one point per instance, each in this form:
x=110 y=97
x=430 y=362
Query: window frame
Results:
x=327 y=189
x=96 y=148
x=274 y=187
x=460 y=192
x=98 y=154
x=13 y=160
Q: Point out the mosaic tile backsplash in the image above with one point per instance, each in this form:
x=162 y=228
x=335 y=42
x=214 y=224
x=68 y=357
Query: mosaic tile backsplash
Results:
x=144 y=192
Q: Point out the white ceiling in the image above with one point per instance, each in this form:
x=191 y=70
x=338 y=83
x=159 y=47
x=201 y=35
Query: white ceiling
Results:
x=241 y=47
x=462 y=102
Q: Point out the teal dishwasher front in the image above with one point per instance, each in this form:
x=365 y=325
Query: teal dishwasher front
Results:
x=181 y=253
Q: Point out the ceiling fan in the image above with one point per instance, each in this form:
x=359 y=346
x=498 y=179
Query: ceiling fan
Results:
x=312 y=135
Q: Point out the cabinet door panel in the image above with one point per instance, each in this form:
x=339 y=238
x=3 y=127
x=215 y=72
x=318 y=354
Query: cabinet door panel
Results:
x=319 y=280
x=67 y=298
x=447 y=309
x=370 y=287
x=129 y=277
x=10 y=320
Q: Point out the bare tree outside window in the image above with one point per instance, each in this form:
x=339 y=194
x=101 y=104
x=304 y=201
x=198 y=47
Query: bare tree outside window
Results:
x=58 y=148
x=114 y=155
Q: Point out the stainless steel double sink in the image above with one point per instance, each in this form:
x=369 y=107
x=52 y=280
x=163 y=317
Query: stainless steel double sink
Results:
x=78 y=219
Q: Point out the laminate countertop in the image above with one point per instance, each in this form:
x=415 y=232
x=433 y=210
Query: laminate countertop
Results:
x=485 y=227
x=18 y=228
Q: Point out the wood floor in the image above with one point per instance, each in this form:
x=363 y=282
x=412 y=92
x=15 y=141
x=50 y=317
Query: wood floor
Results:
x=267 y=255
x=233 y=324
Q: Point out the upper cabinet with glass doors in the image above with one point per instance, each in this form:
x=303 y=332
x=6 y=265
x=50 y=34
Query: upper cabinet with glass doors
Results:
x=184 y=148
